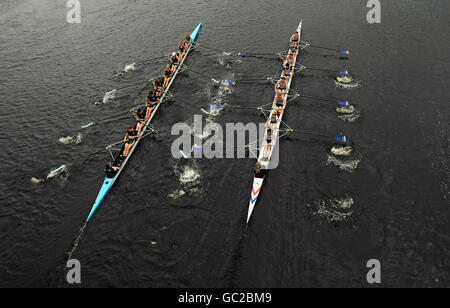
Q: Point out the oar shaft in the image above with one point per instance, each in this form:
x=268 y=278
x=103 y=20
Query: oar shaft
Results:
x=310 y=133
x=319 y=98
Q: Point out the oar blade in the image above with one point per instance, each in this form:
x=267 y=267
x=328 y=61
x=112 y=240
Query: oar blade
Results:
x=343 y=139
x=87 y=125
x=344 y=103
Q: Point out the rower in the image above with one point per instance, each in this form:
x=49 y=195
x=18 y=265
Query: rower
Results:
x=174 y=62
x=281 y=86
x=293 y=49
x=129 y=138
x=181 y=47
x=268 y=142
x=272 y=121
x=295 y=38
x=288 y=71
x=167 y=74
x=150 y=103
x=289 y=60
x=187 y=40
x=158 y=85
x=141 y=119
x=280 y=102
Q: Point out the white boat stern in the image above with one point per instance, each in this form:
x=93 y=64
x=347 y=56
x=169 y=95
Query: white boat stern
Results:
x=257 y=185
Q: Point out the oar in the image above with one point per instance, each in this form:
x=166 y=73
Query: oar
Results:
x=303 y=67
x=343 y=51
x=343 y=139
x=239 y=54
x=340 y=103
x=109 y=118
x=213 y=49
x=182 y=101
x=257 y=55
x=231 y=107
x=208 y=77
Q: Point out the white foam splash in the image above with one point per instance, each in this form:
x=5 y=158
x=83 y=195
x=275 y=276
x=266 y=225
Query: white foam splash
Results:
x=56 y=171
x=130 y=67
x=189 y=180
x=71 y=139
x=110 y=95
x=341 y=151
x=189 y=175
x=338 y=209
x=345 y=110
x=36 y=181
x=345 y=165
x=352 y=117
x=347 y=86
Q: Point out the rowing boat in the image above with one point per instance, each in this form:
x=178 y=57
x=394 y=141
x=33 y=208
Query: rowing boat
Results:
x=109 y=181
x=263 y=158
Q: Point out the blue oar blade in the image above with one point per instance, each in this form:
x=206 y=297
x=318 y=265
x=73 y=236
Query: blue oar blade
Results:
x=343 y=139
x=344 y=103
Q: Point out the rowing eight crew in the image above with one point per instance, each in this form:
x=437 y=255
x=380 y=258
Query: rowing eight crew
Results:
x=280 y=102
x=154 y=97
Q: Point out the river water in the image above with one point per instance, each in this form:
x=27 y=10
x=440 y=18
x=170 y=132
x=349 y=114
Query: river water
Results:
x=170 y=223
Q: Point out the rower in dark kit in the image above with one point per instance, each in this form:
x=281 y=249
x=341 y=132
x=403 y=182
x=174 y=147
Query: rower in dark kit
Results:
x=129 y=139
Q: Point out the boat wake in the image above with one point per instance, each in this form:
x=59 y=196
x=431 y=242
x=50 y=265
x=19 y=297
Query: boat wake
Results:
x=345 y=165
x=60 y=172
x=224 y=62
x=128 y=68
x=347 y=86
x=219 y=100
x=189 y=182
x=109 y=98
x=342 y=150
x=338 y=209
x=348 y=116
x=76 y=243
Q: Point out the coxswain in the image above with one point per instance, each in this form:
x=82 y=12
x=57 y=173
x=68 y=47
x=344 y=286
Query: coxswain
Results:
x=158 y=85
x=167 y=74
x=129 y=138
x=257 y=168
x=111 y=171
x=281 y=86
x=187 y=40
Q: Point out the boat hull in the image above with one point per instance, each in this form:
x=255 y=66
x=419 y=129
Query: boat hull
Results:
x=264 y=159
x=108 y=183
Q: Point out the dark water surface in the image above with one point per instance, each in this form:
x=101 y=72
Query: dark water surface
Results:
x=53 y=72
